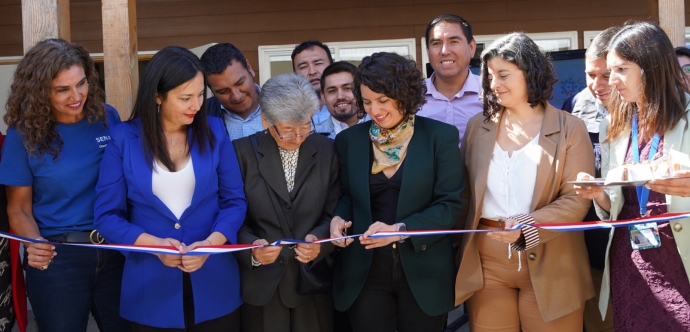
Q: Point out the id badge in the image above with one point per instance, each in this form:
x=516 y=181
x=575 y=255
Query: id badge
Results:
x=644 y=236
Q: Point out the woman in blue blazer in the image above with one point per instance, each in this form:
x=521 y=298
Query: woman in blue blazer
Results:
x=170 y=177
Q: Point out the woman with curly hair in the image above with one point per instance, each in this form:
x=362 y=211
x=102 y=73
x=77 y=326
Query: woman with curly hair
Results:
x=58 y=130
x=398 y=172
x=519 y=156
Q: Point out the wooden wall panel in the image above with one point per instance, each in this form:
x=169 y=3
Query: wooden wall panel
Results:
x=248 y=24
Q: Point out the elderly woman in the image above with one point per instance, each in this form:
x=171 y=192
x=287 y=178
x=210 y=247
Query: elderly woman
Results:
x=170 y=178
x=648 y=120
x=291 y=185
x=58 y=129
x=398 y=172
x=519 y=155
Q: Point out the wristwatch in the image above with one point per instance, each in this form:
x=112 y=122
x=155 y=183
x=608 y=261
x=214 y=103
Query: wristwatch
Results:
x=402 y=228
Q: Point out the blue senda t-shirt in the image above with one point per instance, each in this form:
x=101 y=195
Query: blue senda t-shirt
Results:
x=63 y=190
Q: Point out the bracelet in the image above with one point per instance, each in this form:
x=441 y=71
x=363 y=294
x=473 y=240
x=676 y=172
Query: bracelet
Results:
x=402 y=228
x=255 y=262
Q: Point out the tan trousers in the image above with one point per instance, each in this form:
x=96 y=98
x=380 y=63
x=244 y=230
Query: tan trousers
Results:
x=507 y=302
x=593 y=322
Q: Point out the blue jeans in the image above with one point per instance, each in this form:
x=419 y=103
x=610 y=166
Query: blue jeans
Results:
x=78 y=281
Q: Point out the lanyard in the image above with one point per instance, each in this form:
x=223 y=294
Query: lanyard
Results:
x=642 y=191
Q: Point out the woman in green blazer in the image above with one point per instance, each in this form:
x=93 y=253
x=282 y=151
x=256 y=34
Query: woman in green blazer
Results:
x=397 y=172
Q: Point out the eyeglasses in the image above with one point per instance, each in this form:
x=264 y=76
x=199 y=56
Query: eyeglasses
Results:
x=293 y=136
x=686 y=69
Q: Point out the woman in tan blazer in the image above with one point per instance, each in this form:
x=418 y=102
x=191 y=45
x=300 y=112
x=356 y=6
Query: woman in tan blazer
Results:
x=520 y=154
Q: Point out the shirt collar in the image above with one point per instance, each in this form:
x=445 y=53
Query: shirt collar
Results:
x=471 y=86
x=254 y=114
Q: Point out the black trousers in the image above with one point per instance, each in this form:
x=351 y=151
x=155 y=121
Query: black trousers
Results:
x=315 y=314
x=386 y=302
x=227 y=323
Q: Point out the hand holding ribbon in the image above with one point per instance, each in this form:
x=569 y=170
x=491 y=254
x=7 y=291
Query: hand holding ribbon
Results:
x=507 y=237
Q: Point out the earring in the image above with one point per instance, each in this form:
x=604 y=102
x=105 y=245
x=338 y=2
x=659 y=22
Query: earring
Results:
x=159 y=108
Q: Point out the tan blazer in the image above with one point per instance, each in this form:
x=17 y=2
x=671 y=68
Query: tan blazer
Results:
x=558 y=266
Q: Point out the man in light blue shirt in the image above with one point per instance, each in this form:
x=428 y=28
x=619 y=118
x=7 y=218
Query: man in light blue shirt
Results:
x=309 y=59
x=337 y=84
x=452 y=90
x=235 y=94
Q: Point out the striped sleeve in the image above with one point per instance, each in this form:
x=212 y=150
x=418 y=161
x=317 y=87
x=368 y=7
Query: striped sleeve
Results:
x=530 y=235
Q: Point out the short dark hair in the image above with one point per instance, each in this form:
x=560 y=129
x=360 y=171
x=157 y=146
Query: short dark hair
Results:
x=599 y=45
x=682 y=51
x=219 y=56
x=448 y=19
x=308 y=45
x=393 y=75
x=335 y=68
x=536 y=66
x=168 y=69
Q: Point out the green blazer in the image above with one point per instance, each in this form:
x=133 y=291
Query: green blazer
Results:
x=430 y=199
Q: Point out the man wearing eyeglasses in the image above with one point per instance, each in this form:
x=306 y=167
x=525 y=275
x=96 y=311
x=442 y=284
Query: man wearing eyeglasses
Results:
x=590 y=106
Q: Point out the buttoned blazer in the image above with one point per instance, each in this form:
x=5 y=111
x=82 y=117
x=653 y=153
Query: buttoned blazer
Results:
x=613 y=155
x=308 y=209
x=430 y=199
x=560 y=268
x=125 y=207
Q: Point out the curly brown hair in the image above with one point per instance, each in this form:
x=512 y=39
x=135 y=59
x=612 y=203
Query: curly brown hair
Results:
x=29 y=108
x=393 y=75
x=519 y=49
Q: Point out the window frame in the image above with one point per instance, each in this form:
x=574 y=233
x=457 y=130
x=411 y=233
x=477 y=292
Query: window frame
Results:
x=268 y=51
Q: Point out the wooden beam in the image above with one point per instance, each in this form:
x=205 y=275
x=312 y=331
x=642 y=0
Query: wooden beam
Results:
x=672 y=20
x=43 y=19
x=120 y=59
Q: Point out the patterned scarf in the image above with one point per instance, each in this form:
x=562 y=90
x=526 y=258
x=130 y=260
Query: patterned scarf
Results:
x=390 y=145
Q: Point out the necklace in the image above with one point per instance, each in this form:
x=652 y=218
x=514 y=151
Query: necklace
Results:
x=172 y=141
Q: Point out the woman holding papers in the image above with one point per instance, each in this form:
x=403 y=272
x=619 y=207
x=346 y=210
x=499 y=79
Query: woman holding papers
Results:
x=169 y=177
x=649 y=264
x=291 y=184
x=519 y=155
x=398 y=172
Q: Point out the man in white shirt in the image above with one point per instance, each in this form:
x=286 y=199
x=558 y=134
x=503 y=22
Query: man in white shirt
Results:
x=452 y=90
x=337 y=85
x=309 y=59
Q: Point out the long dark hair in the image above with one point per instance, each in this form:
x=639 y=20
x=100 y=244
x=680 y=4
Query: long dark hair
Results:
x=29 y=109
x=523 y=52
x=662 y=101
x=168 y=69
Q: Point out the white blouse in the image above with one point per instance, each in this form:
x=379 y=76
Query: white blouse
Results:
x=511 y=181
x=174 y=189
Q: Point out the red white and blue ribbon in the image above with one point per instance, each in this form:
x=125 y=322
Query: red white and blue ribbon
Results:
x=561 y=227
x=226 y=248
